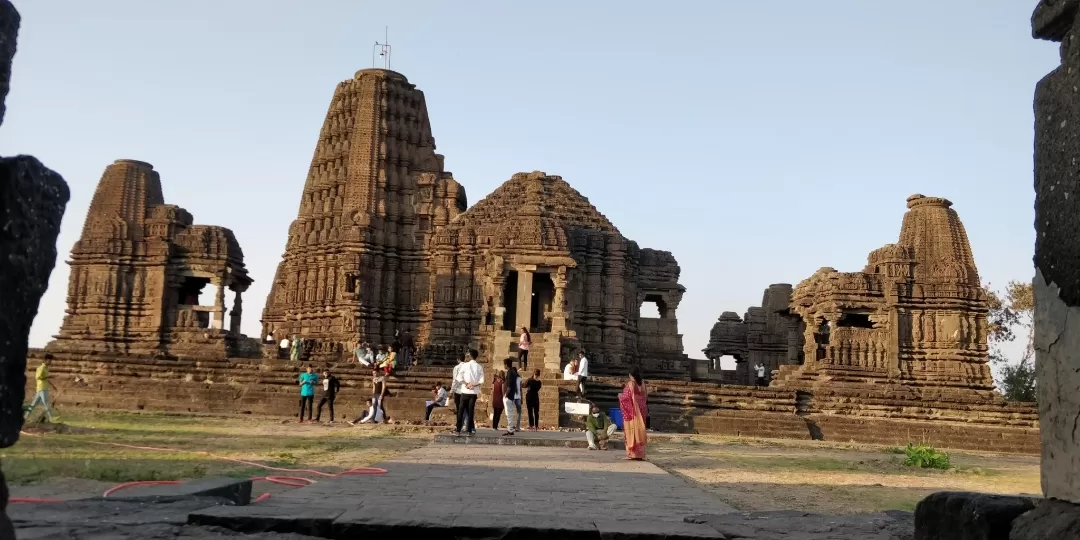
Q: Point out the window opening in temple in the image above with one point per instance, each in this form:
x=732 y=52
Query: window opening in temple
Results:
x=350 y=283
x=510 y=301
x=855 y=320
x=726 y=362
x=194 y=292
x=543 y=294
x=652 y=307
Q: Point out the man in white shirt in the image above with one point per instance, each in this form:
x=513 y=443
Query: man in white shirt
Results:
x=471 y=377
x=455 y=384
x=582 y=372
x=283 y=348
x=760 y=369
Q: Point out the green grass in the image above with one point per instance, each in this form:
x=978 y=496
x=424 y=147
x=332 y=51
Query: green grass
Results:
x=80 y=448
x=924 y=456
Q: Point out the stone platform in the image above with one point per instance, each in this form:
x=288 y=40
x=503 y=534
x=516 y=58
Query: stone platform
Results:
x=548 y=439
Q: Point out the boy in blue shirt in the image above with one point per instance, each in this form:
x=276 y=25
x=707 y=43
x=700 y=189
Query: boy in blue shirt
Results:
x=308 y=379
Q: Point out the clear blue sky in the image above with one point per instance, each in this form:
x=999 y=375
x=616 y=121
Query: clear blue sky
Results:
x=758 y=141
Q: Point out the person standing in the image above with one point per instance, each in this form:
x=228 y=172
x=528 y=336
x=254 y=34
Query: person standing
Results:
x=283 y=349
x=455 y=382
x=330 y=387
x=297 y=349
x=512 y=397
x=472 y=378
x=378 y=396
x=42 y=383
x=524 y=342
x=532 y=400
x=307 y=391
x=760 y=370
x=582 y=372
x=632 y=405
x=497 y=390
x=407 y=351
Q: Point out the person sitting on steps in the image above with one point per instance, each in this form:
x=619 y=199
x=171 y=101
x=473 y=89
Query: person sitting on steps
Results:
x=598 y=428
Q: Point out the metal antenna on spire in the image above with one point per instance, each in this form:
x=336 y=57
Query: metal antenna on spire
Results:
x=383 y=50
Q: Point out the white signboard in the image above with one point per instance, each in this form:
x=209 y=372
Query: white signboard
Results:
x=578 y=408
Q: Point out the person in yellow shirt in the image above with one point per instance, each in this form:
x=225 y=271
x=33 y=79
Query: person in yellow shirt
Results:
x=41 y=377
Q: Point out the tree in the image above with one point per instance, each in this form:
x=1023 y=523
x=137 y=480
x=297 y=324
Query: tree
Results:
x=1010 y=312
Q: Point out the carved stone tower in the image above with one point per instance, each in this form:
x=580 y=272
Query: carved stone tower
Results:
x=355 y=266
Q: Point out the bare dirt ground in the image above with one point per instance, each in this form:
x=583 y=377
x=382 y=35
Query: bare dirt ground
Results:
x=759 y=475
x=79 y=459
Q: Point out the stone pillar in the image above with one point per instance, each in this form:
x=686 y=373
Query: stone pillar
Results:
x=524 y=298
x=219 y=306
x=234 y=316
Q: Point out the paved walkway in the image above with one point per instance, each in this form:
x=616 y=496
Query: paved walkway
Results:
x=476 y=490
x=517 y=480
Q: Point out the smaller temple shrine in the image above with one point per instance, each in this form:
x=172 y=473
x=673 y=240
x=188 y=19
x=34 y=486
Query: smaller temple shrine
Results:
x=141 y=271
x=769 y=335
x=917 y=312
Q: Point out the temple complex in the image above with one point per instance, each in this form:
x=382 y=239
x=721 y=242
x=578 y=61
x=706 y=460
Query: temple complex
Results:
x=138 y=270
x=769 y=335
x=383 y=243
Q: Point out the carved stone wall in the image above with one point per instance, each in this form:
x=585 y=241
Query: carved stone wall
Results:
x=769 y=335
x=138 y=268
x=355 y=265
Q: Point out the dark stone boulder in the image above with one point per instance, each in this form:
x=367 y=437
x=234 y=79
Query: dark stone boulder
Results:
x=1050 y=519
x=968 y=516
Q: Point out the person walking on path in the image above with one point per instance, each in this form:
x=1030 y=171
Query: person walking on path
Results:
x=307 y=392
x=42 y=384
x=512 y=397
x=598 y=428
x=532 y=400
x=632 y=404
x=471 y=377
x=330 y=387
x=498 y=388
x=524 y=342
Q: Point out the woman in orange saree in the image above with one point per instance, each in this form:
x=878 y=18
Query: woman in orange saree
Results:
x=632 y=404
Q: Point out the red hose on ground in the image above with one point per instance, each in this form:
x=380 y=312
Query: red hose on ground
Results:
x=292 y=481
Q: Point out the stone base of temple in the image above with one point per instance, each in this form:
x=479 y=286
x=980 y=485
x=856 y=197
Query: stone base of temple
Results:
x=268 y=387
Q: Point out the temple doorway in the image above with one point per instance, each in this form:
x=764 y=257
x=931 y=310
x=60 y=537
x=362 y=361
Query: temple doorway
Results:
x=510 y=292
x=543 y=294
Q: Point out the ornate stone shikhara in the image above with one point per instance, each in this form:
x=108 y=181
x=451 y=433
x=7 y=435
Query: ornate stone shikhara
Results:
x=916 y=312
x=138 y=269
x=383 y=243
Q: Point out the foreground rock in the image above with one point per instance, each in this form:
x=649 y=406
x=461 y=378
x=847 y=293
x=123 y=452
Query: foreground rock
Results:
x=974 y=516
x=32 y=200
x=792 y=525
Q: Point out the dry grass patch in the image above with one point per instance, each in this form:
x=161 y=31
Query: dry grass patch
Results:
x=817 y=477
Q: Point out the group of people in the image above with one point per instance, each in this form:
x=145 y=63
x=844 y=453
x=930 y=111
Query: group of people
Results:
x=506 y=395
x=401 y=352
x=577 y=369
x=633 y=404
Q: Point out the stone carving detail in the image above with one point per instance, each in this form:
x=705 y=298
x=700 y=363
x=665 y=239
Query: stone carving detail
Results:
x=379 y=209
x=138 y=269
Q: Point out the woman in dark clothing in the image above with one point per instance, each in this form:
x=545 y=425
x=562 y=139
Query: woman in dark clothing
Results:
x=497 y=391
x=532 y=400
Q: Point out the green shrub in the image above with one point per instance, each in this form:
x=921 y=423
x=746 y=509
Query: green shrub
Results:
x=925 y=456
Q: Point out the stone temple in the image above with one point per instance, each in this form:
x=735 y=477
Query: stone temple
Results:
x=384 y=243
x=137 y=272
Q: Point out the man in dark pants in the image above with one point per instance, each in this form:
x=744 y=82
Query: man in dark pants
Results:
x=330 y=387
x=471 y=377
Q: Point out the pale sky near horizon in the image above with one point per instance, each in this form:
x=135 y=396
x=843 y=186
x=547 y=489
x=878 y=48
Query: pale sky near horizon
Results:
x=757 y=141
